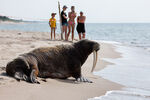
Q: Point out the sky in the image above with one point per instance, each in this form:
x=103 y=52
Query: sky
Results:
x=96 y=11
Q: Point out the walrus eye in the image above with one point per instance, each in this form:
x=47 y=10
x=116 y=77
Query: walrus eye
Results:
x=94 y=60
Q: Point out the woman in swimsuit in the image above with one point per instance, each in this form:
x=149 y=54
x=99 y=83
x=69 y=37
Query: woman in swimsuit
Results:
x=71 y=22
x=81 y=25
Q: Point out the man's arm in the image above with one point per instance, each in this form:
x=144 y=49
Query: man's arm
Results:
x=77 y=19
x=84 y=18
x=65 y=16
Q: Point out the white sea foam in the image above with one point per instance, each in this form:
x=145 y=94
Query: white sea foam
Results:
x=132 y=71
x=109 y=42
x=125 y=94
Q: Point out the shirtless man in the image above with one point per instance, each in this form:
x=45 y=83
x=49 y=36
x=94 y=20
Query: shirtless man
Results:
x=71 y=22
x=81 y=25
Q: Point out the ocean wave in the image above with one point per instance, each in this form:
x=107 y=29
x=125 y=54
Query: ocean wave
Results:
x=125 y=94
x=109 y=42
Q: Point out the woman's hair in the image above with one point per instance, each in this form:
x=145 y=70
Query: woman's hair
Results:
x=72 y=8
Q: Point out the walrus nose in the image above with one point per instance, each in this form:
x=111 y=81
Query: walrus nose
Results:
x=94 y=60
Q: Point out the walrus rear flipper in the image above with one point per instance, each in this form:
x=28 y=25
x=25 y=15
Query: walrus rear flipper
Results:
x=20 y=76
x=23 y=68
x=31 y=64
x=33 y=77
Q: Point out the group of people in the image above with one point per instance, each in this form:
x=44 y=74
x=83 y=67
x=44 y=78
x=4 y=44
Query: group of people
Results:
x=68 y=23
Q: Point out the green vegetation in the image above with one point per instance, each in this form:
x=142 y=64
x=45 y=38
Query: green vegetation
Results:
x=5 y=18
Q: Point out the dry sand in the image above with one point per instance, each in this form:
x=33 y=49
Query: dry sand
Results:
x=13 y=43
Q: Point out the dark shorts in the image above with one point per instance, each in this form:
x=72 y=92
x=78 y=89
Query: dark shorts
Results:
x=81 y=28
x=65 y=24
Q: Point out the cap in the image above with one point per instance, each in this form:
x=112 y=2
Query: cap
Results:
x=65 y=6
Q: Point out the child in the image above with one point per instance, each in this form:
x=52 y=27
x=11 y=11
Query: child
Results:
x=52 y=24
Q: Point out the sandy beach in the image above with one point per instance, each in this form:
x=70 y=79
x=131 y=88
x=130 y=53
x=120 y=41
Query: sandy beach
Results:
x=13 y=43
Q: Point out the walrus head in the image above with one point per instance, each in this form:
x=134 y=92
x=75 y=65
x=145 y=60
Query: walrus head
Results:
x=86 y=47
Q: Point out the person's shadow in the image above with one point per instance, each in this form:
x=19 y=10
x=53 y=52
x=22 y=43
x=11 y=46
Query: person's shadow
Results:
x=72 y=81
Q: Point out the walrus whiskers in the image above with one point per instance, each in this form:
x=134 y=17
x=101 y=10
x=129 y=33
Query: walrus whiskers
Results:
x=61 y=62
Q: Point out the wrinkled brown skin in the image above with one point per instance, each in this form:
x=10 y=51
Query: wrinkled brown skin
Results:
x=61 y=61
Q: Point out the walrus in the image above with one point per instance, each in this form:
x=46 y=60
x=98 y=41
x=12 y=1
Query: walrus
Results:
x=60 y=62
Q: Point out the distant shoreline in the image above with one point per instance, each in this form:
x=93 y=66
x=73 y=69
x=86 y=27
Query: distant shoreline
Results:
x=25 y=21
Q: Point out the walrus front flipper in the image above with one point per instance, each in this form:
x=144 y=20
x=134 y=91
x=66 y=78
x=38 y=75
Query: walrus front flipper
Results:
x=83 y=79
x=33 y=77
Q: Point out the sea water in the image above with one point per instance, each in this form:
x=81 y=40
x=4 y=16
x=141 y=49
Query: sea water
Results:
x=131 y=71
x=134 y=34
x=132 y=40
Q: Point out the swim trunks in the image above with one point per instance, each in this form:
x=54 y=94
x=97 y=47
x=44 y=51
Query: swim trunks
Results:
x=81 y=28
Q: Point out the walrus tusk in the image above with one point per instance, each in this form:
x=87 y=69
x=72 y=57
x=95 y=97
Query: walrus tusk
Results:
x=94 y=60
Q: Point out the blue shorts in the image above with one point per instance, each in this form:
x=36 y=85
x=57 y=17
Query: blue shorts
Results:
x=65 y=24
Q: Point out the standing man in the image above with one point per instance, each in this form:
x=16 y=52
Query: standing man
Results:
x=64 y=21
x=81 y=25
